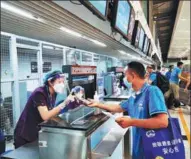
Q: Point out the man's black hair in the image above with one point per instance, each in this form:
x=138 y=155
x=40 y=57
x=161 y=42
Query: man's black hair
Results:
x=138 y=68
x=179 y=63
x=159 y=68
x=171 y=66
x=153 y=67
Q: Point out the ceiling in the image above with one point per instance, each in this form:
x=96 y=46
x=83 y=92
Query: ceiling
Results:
x=164 y=13
x=48 y=30
x=180 y=43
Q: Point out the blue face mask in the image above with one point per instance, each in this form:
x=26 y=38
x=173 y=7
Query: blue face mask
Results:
x=127 y=84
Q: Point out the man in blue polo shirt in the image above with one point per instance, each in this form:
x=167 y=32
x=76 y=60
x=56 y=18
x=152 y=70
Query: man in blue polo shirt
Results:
x=146 y=107
x=152 y=74
x=174 y=84
x=168 y=74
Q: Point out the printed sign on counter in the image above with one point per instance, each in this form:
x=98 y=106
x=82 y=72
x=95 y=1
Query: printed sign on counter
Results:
x=119 y=69
x=77 y=70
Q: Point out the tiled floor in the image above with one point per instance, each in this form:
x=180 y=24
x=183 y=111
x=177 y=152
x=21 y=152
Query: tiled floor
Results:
x=186 y=116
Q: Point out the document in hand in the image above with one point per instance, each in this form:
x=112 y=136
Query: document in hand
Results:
x=110 y=115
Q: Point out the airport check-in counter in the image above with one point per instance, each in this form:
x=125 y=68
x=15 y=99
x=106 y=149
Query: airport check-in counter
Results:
x=78 y=134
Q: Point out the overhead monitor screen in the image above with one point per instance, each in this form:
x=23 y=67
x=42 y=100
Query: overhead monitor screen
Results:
x=101 y=6
x=123 y=16
x=141 y=39
x=149 y=49
x=137 y=36
x=131 y=25
x=145 y=49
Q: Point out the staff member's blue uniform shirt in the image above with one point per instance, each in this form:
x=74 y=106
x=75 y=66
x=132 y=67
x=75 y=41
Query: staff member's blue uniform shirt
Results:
x=144 y=104
x=153 y=78
x=168 y=74
x=174 y=75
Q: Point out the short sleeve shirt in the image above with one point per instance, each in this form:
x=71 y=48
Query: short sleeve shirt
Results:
x=174 y=75
x=168 y=74
x=27 y=126
x=144 y=104
x=152 y=77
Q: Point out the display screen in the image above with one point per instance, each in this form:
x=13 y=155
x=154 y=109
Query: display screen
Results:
x=141 y=39
x=131 y=25
x=100 y=6
x=149 y=51
x=146 y=46
x=123 y=16
x=137 y=35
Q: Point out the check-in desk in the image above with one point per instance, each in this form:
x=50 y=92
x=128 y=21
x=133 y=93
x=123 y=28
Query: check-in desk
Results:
x=81 y=134
x=78 y=134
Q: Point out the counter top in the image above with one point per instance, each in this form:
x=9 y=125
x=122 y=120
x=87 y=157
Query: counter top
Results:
x=82 y=119
x=116 y=97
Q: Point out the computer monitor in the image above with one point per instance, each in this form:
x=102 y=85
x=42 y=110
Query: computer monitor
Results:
x=121 y=17
x=141 y=39
x=146 y=44
x=149 y=51
x=137 y=34
x=131 y=25
x=99 y=8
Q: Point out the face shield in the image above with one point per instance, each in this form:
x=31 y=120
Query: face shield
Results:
x=52 y=75
x=60 y=77
x=57 y=80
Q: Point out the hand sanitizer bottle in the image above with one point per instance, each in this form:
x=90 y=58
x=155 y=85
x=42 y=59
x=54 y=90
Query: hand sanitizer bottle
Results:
x=96 y=98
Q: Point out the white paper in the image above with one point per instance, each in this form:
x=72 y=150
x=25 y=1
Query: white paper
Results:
x=110 y=115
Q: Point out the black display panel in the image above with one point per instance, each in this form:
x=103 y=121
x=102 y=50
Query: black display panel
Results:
x=137 y=37
x=146 y=44
x=121 y=17
x=149 y=51
x=99 y=8
x=141 y=39
x=131 y=25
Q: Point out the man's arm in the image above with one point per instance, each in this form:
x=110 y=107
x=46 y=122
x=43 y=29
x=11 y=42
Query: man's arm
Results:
x=187 y=84
x=111 y=107
x=182 y=78
x=156 y=122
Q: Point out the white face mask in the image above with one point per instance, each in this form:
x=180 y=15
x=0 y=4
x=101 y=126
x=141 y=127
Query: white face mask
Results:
x=79 y=95
x=59 y=88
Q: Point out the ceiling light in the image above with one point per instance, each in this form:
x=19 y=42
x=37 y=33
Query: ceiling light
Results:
x=19 y=11
x=94 y=41
x=81 y=36
x=122 y=52
x=70 y=31
x=183 y=19
x=85 y=37
x=99 y=43
x=40 y=20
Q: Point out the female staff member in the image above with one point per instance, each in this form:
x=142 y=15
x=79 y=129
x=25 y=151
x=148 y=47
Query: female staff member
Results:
x=40 y=107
